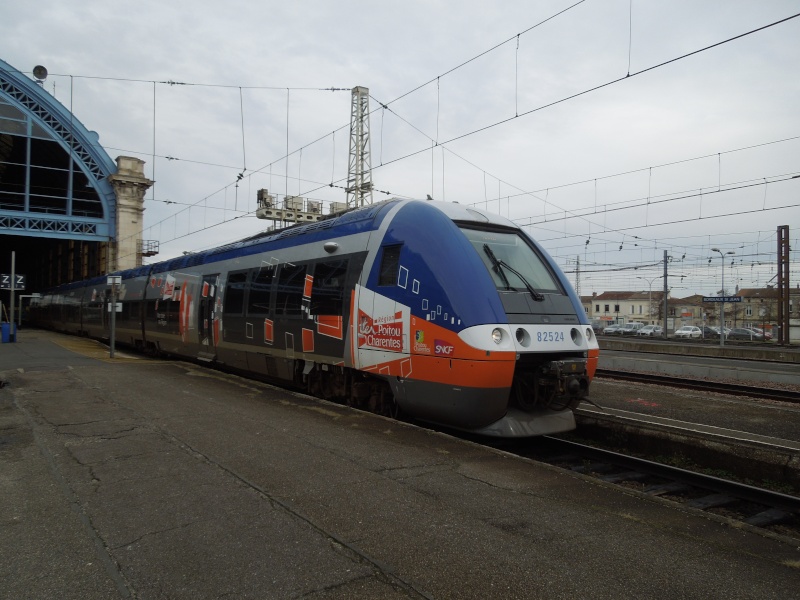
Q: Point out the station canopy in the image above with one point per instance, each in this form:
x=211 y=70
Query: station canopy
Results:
x=57 y=206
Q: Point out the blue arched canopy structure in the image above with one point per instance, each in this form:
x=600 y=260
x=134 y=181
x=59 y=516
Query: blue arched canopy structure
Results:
x=56 y=201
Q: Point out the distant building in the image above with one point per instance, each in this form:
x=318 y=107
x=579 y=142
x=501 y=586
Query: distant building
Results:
x=758 y=308
x=687 y=311
x=624 y=306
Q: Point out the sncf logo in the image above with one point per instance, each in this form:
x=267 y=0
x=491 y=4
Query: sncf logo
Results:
x=442 y=348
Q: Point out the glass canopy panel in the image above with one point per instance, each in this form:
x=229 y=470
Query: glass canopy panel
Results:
x=13 y=127
x=8 y=111
x=49 y=182
x=85 y=199
x=12 y=183
x=38 y=174
x=48 y=153
x=13 y=172
x=48 y=204
x=40 y=132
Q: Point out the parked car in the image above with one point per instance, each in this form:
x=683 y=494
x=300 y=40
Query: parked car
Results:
x=650 y=330
x=598 y=326
x=612 y=329
x=629 y=328
x=688 y=331
x=740 y=333
x=767 y=335
x=710 y=332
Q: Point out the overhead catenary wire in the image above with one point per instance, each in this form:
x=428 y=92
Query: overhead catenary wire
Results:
x=593 y=88
x=551 y=187
x=648 y=201
x=643 y=169
x=528 y=112
x=486 y=199
x=485 y=52
x=573 y=212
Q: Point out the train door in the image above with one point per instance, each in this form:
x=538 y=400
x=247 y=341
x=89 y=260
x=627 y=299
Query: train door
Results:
x=208 y=317
x=383 y=324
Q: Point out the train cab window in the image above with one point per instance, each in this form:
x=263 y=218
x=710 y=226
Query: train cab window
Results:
x=260 y=291
x=512 y=261
x=327 y=292
x=289 y=293
x=233 y=301
x=390 y=265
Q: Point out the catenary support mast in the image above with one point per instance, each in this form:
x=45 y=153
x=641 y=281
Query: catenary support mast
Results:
x=359 y=174
x=783 y=284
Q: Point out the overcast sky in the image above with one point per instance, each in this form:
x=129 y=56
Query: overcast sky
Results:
x=684 y=157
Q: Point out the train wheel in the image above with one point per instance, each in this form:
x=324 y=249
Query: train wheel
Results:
x=389 y=407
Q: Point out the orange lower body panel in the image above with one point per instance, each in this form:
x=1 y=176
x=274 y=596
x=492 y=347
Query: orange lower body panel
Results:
x=451 y=371
x=591 y=363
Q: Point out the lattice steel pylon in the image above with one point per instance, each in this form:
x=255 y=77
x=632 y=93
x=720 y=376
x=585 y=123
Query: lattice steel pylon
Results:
x=359 y=173
x=783 y=285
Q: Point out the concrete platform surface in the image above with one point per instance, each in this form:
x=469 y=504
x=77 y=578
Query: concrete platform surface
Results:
x=732 y=370
x=134 y=478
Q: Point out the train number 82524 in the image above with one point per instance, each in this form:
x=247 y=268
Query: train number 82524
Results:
x=549 y=336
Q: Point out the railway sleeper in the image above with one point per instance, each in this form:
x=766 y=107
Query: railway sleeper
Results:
x=671 y=487
x=711 y=501
x=771 y=516
x=624 y=476
x=595 y=467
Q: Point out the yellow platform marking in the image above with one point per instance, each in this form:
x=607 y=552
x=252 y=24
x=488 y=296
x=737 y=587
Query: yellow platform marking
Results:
x=94 y=349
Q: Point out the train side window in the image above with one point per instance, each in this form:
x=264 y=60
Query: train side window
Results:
x=233 y=301
x=327 y=292
x=289 y=294
x=390 y=265
x=260 y=291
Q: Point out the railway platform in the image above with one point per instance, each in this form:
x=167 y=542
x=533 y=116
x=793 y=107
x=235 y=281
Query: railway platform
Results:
x=757 y=439
x=136 y=478
x=732 y=349
x=744 y=367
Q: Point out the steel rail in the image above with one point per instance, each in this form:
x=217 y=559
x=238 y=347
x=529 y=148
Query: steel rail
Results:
x=702 y=385
x=741 y=491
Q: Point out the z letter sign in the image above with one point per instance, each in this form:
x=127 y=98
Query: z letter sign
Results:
x=5 y=282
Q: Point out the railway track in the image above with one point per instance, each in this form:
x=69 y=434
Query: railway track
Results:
x=768 y=510
x=702 y=385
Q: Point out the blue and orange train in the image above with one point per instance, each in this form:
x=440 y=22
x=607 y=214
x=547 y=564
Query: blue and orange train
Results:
x=450 y=314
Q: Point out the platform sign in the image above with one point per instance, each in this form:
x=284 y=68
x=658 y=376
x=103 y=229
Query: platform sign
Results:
x=19 y=282
x=114 y=280
x=722 y=298
x=118 y=306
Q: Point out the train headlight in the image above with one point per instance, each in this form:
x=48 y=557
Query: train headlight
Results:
x=497 y=335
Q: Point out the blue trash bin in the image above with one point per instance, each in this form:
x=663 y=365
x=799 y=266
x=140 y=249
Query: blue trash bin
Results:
x=5 y=332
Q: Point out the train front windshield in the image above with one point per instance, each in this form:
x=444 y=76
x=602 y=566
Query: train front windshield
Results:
x=511 y=261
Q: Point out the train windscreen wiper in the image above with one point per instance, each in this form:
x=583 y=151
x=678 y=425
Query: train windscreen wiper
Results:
x=496 y=264
x=499 y=265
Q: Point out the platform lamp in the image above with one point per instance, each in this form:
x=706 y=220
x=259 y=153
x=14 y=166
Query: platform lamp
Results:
x=722 y=293
x=39 y=74
x=650 y=281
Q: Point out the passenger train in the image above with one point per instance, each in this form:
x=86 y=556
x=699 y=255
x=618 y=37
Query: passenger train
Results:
x=450 y=314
